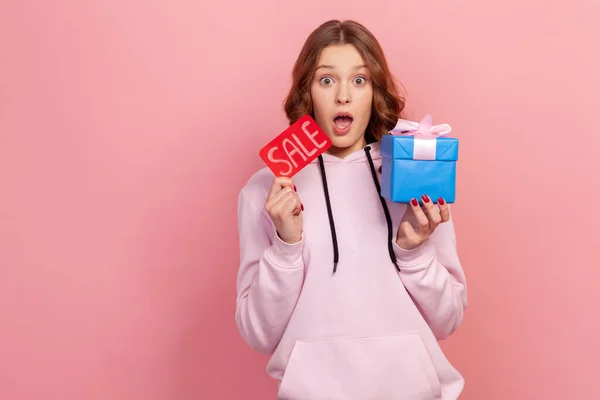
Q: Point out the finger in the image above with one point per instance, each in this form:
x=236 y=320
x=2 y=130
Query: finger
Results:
x=432 y=212
x=282 y=206
x=277 y=197
x=422 y=220
x=444 y=210
x=280 y=183
x=290 y=205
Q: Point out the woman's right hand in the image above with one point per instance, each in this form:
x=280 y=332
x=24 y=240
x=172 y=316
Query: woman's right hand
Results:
x=285 y=209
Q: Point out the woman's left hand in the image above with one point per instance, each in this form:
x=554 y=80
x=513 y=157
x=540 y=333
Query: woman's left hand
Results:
x=418 y=223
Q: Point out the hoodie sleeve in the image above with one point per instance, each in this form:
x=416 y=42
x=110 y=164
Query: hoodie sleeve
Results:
x=269 y=280
x=433 y=276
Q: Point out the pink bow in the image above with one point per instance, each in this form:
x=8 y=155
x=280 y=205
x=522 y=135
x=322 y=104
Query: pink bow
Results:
x=424 y=129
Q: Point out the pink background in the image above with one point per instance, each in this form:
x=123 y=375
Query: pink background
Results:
x=127 y=129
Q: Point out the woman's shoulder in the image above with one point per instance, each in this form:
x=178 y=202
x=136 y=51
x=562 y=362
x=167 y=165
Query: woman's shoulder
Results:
x=258 y=185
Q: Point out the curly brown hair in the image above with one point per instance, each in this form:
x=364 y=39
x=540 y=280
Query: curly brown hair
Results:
x=388 y=104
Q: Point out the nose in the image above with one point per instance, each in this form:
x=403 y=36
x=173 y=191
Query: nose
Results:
x=343 y=95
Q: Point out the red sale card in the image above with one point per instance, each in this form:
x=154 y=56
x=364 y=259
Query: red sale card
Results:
x=294 y=148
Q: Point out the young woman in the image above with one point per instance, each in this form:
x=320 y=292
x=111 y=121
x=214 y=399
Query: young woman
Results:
x=348 y=292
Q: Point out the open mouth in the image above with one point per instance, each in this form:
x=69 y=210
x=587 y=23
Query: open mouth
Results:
x=342 y=122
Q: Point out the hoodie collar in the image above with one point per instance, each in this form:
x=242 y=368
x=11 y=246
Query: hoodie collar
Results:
x=357 y=156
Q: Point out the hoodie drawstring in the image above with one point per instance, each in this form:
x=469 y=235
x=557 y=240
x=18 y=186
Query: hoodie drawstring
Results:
x=336 y=255
x=383 y=204
x=388 y=218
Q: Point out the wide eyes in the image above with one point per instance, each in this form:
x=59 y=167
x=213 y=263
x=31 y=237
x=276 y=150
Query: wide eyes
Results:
x=327 y=80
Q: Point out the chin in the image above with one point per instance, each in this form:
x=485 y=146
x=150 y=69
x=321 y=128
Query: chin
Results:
x=345 y=142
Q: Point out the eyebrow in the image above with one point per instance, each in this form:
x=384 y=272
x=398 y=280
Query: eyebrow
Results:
x=331 y=66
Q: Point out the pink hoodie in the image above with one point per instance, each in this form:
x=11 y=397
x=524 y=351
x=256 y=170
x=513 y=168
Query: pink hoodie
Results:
x=367 y=331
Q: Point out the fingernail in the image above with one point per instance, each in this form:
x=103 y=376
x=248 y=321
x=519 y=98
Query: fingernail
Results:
x=414 y=202
x=441 y=201
x=295 y=188
x=425 y=198
x=302 y=206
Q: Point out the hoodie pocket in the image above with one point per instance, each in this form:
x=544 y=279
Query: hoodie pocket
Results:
x=385 y=367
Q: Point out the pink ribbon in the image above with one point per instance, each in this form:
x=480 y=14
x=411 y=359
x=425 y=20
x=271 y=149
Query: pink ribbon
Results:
x=425 y=134
x=425 y=128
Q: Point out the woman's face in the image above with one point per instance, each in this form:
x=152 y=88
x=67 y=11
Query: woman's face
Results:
x=342 y=96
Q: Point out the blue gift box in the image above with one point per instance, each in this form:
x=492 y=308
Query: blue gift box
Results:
x=413 y=165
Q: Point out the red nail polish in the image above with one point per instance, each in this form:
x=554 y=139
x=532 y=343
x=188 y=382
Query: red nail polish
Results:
x=414 y=202
x=441 y=201
x=425 y=198
x=295 y=188
x=302 y=206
